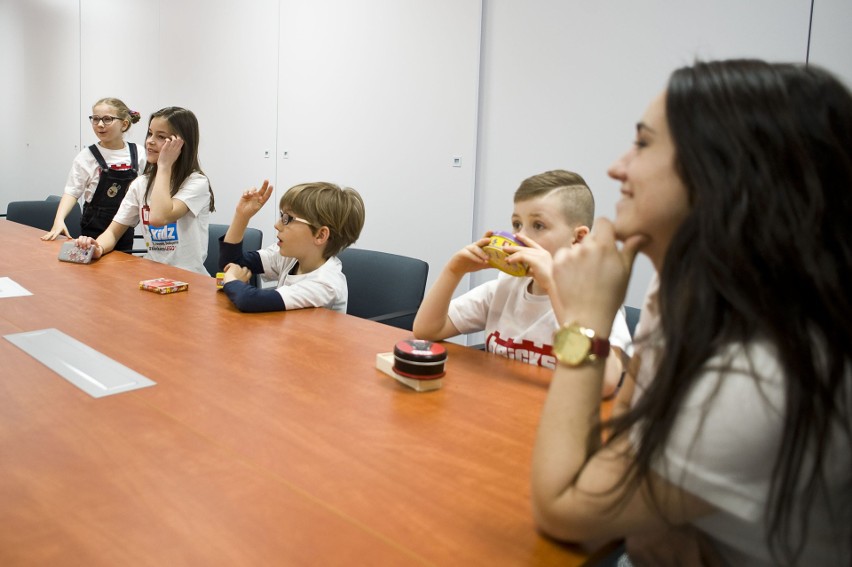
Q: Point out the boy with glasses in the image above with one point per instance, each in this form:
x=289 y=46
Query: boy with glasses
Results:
x=317 y=221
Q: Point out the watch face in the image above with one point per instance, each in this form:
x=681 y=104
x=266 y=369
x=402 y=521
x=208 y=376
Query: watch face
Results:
x=572 y=346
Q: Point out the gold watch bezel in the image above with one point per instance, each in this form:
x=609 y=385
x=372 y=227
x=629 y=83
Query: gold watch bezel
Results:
x=573 y=345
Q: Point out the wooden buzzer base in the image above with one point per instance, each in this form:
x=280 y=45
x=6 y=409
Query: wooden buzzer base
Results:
x=384 y=362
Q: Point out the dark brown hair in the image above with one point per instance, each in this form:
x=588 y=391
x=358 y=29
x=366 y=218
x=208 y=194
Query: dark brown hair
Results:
x=764 y=255
x=185 y=126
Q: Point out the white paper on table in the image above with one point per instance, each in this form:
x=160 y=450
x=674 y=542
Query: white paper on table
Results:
x=11 y=288
x=90 y=370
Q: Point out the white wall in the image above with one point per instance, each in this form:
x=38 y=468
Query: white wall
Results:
x=380 y=94
x=40 y=74
x=831 y=42
x=565 y=81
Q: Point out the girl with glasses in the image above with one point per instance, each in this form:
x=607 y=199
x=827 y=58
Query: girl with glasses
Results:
x=101 y=173
x=172 y=198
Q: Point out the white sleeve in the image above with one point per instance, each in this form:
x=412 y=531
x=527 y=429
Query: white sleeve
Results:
x=128 y=211
x=80 y=176
x=620 y=334
x=194 y=192
x=469 y=312
x=726 y=436
x=308 y=293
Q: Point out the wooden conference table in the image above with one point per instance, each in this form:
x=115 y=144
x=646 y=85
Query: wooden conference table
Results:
x=269 y=439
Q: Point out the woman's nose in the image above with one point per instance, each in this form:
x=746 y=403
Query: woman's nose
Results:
x=618 y=168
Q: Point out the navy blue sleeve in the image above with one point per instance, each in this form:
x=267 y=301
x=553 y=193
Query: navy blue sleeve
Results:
x=233 y=254
x=250 y=299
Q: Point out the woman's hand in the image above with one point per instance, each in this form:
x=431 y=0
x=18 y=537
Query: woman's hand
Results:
x=591 y=279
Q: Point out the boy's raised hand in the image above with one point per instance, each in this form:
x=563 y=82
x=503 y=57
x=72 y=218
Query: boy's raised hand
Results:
x=252 y=200
x=471 y=258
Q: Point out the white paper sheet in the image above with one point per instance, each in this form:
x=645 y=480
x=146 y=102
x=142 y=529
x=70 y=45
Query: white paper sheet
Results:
x=91 y=371
x=11 y=288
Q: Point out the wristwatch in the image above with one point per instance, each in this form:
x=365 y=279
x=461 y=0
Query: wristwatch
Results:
x=574 y=345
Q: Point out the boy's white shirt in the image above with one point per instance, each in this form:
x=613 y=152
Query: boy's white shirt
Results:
x=518 y=324
x=323 y=287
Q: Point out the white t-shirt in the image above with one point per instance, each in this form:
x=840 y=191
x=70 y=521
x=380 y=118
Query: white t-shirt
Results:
x=182 y=243
x=724 y=444
x=86 y=173
x=323 y=287
x=518 y=324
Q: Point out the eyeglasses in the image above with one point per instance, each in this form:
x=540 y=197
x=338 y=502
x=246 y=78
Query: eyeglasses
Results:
x=107 y=120
x=288 y=218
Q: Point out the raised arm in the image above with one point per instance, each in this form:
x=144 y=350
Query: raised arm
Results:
x=166 y=209
x=540 y=267
x=432 y=321
x=576 y=482
x=251 y=201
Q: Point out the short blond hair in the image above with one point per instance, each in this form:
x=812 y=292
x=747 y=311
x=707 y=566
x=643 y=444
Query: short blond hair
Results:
x=341 y=209
x=578 y=204
x=121 y=109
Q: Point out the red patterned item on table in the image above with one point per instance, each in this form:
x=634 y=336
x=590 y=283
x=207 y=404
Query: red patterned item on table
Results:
x=163 y=285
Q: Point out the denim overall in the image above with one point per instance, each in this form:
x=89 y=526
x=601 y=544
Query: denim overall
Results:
x=111 y=189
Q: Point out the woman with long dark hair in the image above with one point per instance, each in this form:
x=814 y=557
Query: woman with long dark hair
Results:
x=737 y=424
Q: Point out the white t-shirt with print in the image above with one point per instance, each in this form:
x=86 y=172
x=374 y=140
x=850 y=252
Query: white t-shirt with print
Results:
x=518 y=324
x=183 y=243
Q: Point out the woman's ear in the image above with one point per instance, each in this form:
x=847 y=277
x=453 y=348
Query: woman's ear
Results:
x=580 y=233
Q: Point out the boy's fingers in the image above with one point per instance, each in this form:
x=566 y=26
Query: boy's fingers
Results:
x=527 y=240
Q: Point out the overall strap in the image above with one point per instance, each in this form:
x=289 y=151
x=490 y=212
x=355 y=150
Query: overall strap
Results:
x=134 y=156
x=101 y=161
x=134 y=162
